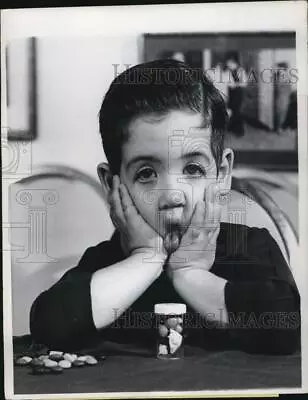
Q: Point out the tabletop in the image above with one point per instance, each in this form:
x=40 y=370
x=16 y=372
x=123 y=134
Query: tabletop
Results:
x=129 y=368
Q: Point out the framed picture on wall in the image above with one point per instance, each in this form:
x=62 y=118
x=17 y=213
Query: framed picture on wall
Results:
x=21 y=85
x=257 y=76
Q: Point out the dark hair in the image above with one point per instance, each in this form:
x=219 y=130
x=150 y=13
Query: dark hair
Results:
x=158 y=87
x=233 y=56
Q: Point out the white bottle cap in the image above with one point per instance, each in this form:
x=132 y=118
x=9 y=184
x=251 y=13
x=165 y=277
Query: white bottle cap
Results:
x=170 y=308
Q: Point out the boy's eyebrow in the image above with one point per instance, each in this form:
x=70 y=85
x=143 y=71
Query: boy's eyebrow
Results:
x=143 y=157
x=196 y=153
x=149 y=157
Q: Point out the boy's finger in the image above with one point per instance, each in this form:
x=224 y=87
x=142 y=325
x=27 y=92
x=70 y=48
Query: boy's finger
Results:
x=217 y=211
x=128 y=206
x=213 y=208
x=212 y=236
x=196 y=226
x=197 y=219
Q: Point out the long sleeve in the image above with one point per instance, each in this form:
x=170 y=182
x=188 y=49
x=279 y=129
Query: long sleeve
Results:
x=61 y=317
x=261 y=297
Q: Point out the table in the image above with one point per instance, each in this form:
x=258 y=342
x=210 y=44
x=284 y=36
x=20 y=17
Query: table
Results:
x=132 y=369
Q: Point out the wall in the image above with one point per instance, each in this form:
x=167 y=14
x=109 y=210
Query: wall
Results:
x=73 y=76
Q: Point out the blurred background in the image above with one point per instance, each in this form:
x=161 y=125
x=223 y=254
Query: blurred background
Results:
x=55 y=87
x=255 y=72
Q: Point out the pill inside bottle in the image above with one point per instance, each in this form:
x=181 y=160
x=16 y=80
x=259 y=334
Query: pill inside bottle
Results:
x=170 y=338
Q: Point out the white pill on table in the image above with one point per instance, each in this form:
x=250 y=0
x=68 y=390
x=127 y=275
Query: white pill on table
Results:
x=23 y=360
x=70 y=357
x=50 y=363
x=82 y=358
x=55 y=353
x=27 y=359
x=91 y=360
x=65 y=364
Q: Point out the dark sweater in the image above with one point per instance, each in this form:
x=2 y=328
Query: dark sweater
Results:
x=260 y=294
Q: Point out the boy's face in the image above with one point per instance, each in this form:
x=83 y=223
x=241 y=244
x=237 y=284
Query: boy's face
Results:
x=167 y=166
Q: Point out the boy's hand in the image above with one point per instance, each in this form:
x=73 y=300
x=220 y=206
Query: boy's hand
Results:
x=197 y=248
x=136 y=233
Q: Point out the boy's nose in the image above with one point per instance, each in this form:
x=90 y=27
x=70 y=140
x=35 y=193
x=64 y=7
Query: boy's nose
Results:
x=171 y=198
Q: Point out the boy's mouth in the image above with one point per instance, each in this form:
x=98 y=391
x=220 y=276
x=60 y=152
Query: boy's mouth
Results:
x=172 y=225
x=172 y=216
x=173 y=231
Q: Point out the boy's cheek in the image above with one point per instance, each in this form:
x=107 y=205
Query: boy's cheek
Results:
x=146 y=207
x=144 y=201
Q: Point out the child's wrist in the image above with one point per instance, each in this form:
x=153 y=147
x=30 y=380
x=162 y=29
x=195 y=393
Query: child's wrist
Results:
x=176 y=269
x=150 y=255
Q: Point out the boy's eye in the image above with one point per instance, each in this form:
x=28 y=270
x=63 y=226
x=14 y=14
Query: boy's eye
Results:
x=145 y=174
x=194 y=169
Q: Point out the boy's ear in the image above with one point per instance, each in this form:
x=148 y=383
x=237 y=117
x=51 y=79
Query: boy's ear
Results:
x=105 y=177
x=225 y=171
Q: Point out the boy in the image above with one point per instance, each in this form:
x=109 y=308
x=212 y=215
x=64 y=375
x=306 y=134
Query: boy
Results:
x=169 y=244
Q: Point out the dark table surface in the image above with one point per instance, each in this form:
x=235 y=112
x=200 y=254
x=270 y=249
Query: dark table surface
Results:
x=128 y=368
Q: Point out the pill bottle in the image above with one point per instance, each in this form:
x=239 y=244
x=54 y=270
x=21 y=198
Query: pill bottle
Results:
x=169 y=323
